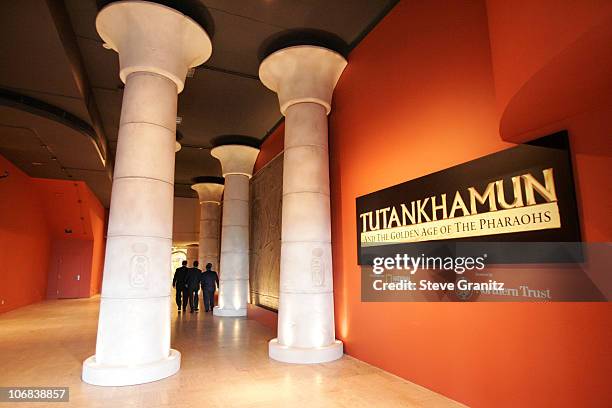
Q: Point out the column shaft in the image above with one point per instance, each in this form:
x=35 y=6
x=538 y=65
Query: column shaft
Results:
x=234 y=278
x=134 y=323
x=306 y=318
x=192 y=255
x=209 y=234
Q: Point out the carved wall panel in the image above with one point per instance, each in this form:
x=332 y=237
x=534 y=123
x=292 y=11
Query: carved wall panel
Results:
x=265 y=234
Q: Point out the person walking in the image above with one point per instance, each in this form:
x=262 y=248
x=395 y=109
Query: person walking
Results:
x=209 y=282
x=179 y=282
x=193 y=286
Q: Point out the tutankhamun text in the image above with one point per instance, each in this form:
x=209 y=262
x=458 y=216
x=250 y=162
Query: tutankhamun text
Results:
x=486 y=212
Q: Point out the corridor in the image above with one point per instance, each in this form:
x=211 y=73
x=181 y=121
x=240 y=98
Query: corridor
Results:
x=393 y=203
x=224 y=364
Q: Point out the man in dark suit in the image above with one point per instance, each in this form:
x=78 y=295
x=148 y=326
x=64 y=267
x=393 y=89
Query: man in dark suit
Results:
x=193 y=286
x=209 y=282
x=180 y=283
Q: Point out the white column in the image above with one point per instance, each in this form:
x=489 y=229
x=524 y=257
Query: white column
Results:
x=156 y=47
x=304 y=78
x=209 y=195
x=192 y=254
x=237 y=164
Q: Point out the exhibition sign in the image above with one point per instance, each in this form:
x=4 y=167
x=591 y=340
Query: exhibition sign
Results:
x=524 y=194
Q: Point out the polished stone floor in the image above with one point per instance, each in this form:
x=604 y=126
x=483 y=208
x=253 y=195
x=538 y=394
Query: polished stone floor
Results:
x=225 y=364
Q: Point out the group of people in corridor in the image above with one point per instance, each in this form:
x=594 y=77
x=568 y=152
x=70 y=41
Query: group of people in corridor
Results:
x=188 y=281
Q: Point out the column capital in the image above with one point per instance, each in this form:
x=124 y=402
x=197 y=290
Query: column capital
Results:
x=236 y=159
x=302 y=73
x=177 y=144
x=151 y=37
x=208 y=192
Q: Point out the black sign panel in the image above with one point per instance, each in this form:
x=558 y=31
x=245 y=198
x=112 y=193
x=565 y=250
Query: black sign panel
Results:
x=524 y=194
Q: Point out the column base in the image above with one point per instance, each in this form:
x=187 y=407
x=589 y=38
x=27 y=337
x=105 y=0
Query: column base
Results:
x=112 y=376
x=298 y=355
x=217 y=311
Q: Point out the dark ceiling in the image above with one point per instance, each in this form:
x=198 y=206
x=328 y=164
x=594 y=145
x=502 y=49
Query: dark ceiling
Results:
x=61 y=94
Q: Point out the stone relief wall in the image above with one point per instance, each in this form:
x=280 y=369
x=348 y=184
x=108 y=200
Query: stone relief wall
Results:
x=265 y=234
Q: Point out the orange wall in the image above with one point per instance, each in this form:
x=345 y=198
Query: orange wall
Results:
x=61 y=251
x=24 y=240
x=33 y=216
x=419 y=96
x=271 y=147
x=71 y=204
x=98 y=225
x=526 y=34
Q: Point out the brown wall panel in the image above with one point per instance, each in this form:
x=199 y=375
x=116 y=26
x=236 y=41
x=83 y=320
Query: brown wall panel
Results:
x=266 y=202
